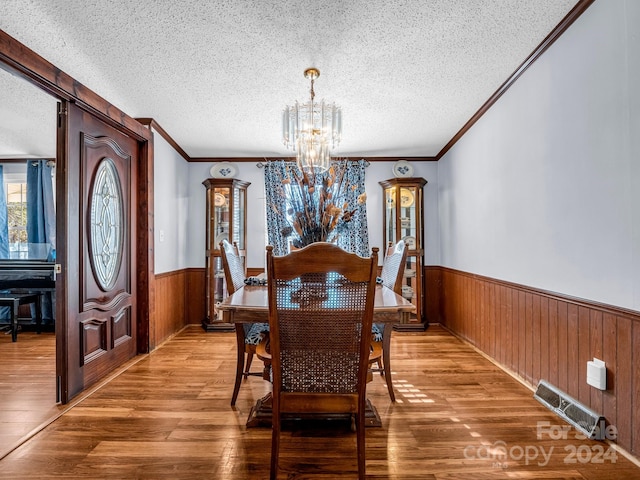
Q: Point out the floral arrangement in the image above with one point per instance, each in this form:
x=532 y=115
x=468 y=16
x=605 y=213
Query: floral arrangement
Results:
x=316 y=205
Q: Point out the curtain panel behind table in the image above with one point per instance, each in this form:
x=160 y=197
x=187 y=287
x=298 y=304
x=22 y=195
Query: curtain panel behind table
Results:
x=274 y=172
x=4 y=234
x=41 y=214
x=4 y=222
x=353 y=236
x=41 y=219
x=356 y=237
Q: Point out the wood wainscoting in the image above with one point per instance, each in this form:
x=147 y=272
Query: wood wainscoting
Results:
x=536 y=335
x=179 y=301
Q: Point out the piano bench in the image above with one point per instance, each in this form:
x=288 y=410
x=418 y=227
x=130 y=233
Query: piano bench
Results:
x=13 y=301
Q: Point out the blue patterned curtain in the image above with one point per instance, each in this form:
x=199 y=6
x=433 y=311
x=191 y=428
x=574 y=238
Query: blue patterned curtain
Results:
x=41 y=220
x=274 y=173
x=4 y=234
x=4 y=223
x=353 y=236
x=356 y=237
x=41 y=214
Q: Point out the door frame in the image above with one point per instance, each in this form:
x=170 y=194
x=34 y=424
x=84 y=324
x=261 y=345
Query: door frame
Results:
x=24 y=62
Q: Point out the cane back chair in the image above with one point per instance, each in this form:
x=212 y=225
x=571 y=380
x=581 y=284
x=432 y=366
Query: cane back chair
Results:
x=392 y=274
x=247 y=335
x=324 y=293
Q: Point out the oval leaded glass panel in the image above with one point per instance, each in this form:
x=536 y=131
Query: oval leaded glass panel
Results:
x=106 y=228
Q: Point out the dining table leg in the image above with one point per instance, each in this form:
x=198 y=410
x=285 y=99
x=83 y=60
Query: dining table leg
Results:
x=386 y=359
x=239 y=361
x=261 y=412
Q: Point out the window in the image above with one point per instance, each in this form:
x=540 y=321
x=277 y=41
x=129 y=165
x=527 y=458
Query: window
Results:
x=332 y=206
x=17 y=219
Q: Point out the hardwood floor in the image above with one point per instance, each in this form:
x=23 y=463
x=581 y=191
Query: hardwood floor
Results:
x=168 y=417
x=27 y=385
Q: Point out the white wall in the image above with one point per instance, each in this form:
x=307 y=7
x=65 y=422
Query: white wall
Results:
x=545 y=189
x=171 y=207
x=256 y=240
x=249 y=172
x=378 y=171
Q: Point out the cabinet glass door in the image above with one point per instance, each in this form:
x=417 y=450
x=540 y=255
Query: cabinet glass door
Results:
x=239 y=212
x=403 y=220
x=390 y=214
x=226 y=220
x=220 y=219
x=407 y=216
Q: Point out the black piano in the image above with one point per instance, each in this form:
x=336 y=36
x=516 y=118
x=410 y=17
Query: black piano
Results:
x=29 y=277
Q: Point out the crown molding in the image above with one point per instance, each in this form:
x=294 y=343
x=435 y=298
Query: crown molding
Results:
x=152 y=124
x=27 y=64
x=43 y=74
x=355 y=157
x=566 y=22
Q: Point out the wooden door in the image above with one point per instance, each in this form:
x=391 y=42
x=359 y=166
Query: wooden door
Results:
x=96 y=219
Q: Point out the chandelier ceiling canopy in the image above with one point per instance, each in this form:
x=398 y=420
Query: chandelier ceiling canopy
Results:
x=312 y=129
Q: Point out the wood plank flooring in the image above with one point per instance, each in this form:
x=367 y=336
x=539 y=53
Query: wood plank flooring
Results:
x=27 y=385
x=167 y=416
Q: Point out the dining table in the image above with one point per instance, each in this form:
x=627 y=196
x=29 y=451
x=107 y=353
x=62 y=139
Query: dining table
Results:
x=250 y=304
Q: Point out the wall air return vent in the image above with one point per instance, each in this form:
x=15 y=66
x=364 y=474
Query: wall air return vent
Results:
x=578 y=415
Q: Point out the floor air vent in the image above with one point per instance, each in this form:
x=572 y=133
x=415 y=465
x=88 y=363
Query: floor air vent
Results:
x=581 y=417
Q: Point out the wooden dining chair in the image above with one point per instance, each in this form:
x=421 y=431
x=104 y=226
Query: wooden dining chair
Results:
x=324 y=293
x=247 y=335
x=392 y=275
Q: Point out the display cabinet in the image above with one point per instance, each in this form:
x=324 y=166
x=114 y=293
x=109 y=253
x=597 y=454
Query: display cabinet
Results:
x=226 y=219
x=403 y=219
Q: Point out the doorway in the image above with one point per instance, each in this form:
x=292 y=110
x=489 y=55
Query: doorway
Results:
x=96 y=335
x=28 y=131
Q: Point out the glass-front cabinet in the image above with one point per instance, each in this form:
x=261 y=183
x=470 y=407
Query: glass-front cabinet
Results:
x=226 y=219
x=403 y=219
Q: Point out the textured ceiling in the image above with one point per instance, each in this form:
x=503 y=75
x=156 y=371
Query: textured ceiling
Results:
x=216 y=75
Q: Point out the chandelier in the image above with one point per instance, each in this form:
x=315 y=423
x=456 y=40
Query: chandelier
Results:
x=312 y=129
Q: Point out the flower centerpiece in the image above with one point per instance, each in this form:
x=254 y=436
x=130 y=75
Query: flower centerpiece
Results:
x=317 y=206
